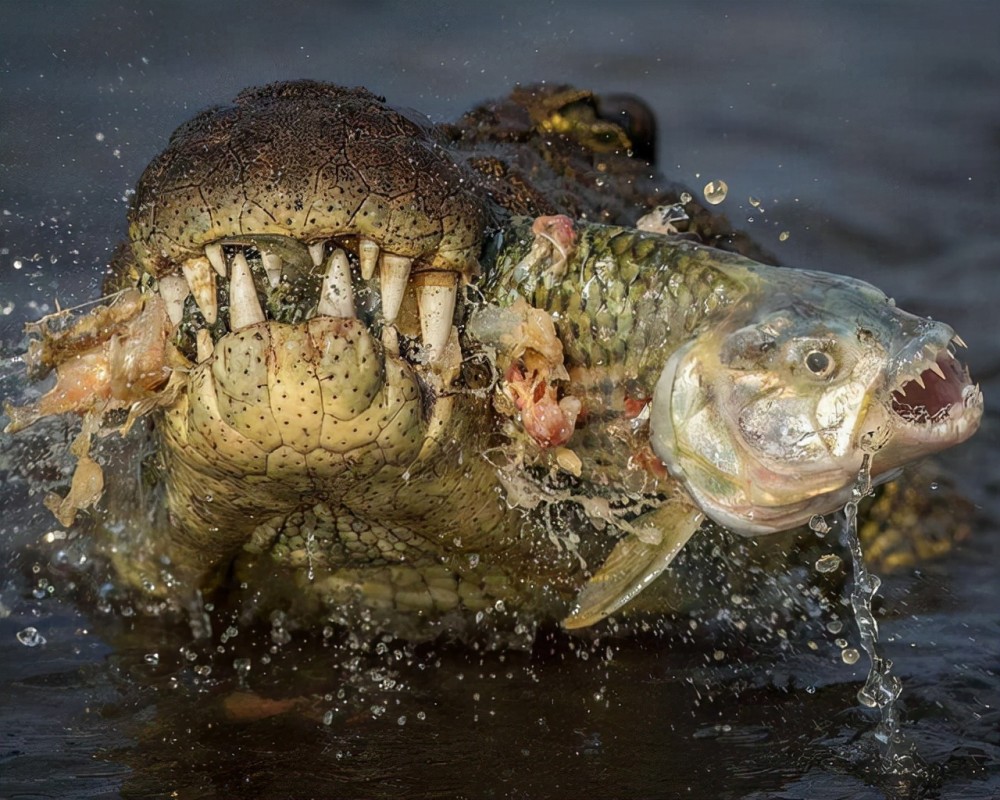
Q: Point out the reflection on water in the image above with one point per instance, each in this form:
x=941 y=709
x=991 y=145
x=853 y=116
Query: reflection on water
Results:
x=867 y=142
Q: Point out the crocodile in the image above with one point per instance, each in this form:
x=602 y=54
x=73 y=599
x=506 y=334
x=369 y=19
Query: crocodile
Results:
x=391 y=371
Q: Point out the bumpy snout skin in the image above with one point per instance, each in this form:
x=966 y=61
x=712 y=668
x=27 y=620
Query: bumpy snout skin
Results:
x=309 y=161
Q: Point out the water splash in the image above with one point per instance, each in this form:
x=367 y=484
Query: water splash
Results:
x=881 y=689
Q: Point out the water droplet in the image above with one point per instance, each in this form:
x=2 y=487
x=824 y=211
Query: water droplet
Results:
x=328 y=718
x=715 y=192
x=866 y=698
x=30 y=637
x=783 y=236
x=242 y=666
x=819 y=524
x=850 y=656
x=401 y=721
x=828 y=563
x=421 y=715
x=152 y=659
x=835 y=626
x=685 y=197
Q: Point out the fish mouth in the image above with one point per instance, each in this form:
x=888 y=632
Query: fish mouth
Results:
x=933 y=401
x=244 y=280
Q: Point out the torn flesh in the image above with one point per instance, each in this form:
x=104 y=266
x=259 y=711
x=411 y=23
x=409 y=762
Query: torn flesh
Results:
x=114 y=358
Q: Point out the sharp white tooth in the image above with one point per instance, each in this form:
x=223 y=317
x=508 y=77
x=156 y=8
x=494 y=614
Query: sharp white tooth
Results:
x=174 y=291
x=317 y=250
x=217 y=258
x=244 y=307
x=204 y=342
x=201 y=278
x=937 y=370
x=390 y=340
x=959 y=341
x=337 y=297
x=920 y=380
x=368 y=256
x=437 y=309
x=272 y=266
x=394 y=272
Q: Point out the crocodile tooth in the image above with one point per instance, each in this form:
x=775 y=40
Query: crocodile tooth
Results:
x=937 y=370
x=394 y=272
x=337 y=296
x=203 y=340
x=272 y=266
x=368 y=256
x=217 y=258
x=201 y=278
x=174 y=291
x=436 y=302
x=317 y=250
x=919 y=380
x=959 y=341
x=244 y=307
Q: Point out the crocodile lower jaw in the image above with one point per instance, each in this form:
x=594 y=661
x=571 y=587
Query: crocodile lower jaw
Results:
x=242 y=281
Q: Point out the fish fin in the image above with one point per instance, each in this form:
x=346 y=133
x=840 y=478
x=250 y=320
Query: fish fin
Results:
x=638 y=558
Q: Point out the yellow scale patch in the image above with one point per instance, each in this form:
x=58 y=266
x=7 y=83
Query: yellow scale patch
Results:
x=240 y=372
x=294 y=391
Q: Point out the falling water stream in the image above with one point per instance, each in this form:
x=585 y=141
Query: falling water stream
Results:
x=882 y=689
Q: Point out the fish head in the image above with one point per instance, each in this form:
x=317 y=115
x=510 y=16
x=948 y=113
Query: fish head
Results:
x=767 y=417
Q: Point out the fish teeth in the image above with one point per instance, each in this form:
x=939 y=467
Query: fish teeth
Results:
x=272 y=266
x=959 y=341
x=174 y=291
x=316 y=251
x=203 y=340
x=936 y=368
x=368 y=256
x=394 y=272
x=244 y=307
x=337 y=295
x=200 y=277
x=972 y=396
x=217 y=258
x=919 y=380
x=436 y=302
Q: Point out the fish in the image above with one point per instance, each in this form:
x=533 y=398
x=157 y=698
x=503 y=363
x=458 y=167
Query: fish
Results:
x=761 y=392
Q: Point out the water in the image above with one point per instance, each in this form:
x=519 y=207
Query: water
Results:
x=715 y=192
x=863 y=130
x=881 y=689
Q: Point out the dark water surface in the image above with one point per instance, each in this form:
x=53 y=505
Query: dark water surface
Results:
x=869 y=131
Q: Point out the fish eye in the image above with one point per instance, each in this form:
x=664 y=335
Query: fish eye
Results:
x=819 y=363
